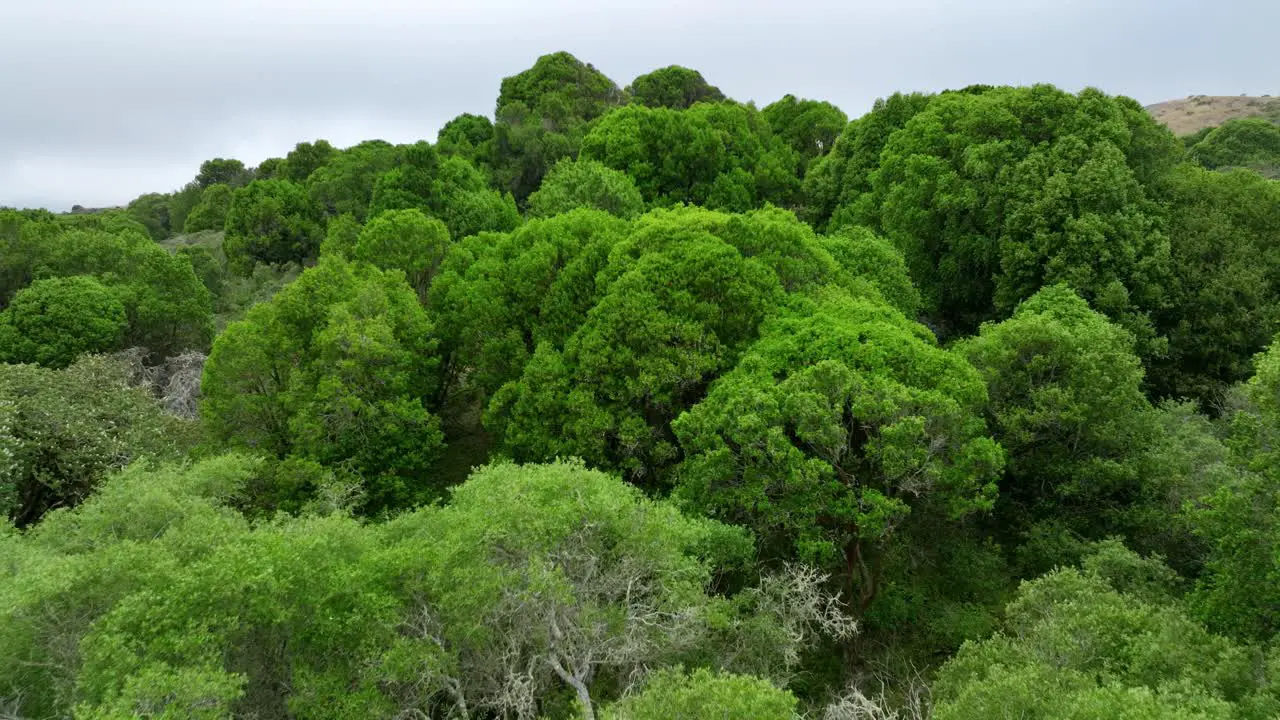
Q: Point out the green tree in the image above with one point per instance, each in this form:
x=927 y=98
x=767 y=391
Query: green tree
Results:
x=152 y=210
x=542 y=115
x=810 y=126
x=1066 y=401
x=862 y=253
x=721 y=155
x=705 y=695
x=337 y=367
x=345 y=182
x=1252 y=143
x=222 y=171
x=405 y=240
x=995 y=193
x=1224 y=304
x=211 y=212
x=1077 y=646
x=673 y=87
x=842 y=420
x=62 y=431
x=571 y=184
x=53 y=321
x=305 y=158
x=271 y=222
x=683 y=305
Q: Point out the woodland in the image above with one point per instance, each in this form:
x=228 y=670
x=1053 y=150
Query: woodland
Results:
x=639 y=402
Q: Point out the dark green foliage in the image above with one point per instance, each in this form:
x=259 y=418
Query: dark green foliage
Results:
x=994 y=195
x=53 y=321
x=304 y=159
x=62 y=431
x=211 y=212
x=222 y=171
x=1224 y=234
x=542 y=115
x=810 y=126
x=572 y=184
x=345 y=182
x=271 y=222
x=152 y=210
x=1252 y=143
x=721 y=155
x=673 y=87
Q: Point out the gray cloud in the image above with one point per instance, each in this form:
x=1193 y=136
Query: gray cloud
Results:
x=102 y=100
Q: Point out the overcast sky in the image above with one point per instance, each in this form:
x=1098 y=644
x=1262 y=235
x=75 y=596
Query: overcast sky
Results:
x=102 y=100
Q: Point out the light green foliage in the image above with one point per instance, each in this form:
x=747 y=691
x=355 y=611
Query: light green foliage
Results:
x=542 y=115
x=704 y=695
x=53 y=321
x=404 y=240
x=1224 y=233
x=61 y=431
x=672 y=87
x=1066 y=398
x=68 y=571
x=572 y=184
x=271 y=222
x=1252 y=143
x=211 y=212
x=551 y=576
x=1076 y=646
x=842 y=420
x=810 y=126
x=721 y=155
x=681 y=303
x=341 y=237
x=336 y=367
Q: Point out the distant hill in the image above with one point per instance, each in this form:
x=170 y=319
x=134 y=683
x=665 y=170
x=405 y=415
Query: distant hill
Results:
x=1197 y=112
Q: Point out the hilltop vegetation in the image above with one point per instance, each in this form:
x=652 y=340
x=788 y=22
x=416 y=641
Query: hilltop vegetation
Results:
x=638 y=402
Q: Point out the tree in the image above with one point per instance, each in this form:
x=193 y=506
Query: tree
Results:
x=53 y=321
x=152 y=210
x=404 y=240
x=62 y=431
x=550 y=576
x=222 y=171
x=862 y=253
x=1075 y=645
x=542 y=115
x=683 y=305
x=572 y=184
x=1224 y=306
x=305 y=158
x=1252 y=143
x=211 y=212
x=337 y=367
x=810 y=126
x=720 y=155
x=839 y=422
x=1066 y=401
x=704 y=695
x=673 y=87
x=271 y=222
x=345 y=182
x=996 y=193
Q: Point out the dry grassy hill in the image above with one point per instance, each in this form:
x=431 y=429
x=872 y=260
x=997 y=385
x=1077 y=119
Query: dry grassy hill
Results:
x=1197 y=112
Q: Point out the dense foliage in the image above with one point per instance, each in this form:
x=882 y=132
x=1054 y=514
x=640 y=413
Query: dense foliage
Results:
x=646 y=403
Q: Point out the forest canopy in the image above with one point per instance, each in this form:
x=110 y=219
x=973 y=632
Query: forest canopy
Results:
x=639 y=402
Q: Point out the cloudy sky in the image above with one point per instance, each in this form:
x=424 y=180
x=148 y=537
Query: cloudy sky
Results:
x=102 y=100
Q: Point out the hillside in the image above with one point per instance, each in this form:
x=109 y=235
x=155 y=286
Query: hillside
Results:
x=1197 y=112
